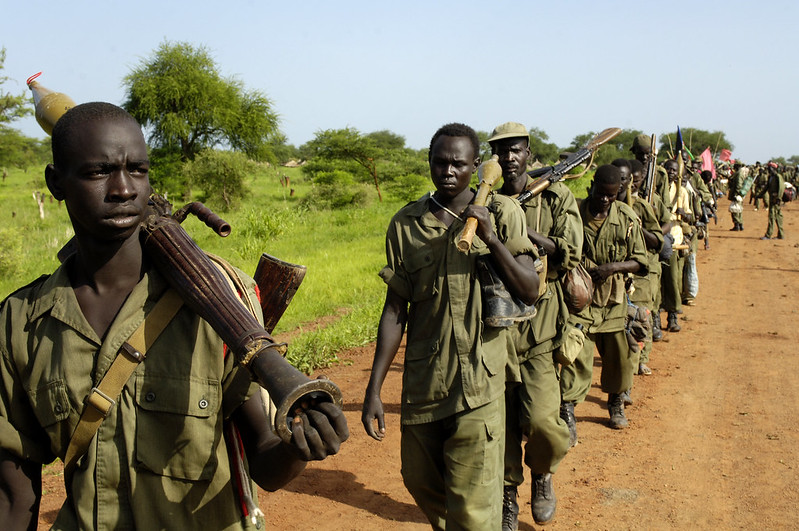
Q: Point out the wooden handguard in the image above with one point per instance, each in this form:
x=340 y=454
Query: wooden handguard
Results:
x=489 y=172
x=207 y=292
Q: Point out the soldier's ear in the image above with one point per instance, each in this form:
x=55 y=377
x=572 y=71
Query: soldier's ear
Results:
x=54 y=182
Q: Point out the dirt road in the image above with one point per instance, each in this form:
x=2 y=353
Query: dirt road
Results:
x=713 y=440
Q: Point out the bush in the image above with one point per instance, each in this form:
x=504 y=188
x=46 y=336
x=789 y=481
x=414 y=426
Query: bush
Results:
x=409 y=187
x=337 y=189
x=220 y=175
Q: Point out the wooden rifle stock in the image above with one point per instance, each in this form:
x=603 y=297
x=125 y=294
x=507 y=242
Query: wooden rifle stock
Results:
x=207 y=292
x=489 y=172
x=553 y=174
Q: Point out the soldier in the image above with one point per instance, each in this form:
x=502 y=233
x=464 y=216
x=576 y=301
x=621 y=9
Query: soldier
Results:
x=453 y=406
x=734 y=186
x=533 y=399
x=671 y=282
x=159 y=459
x=774 y=187
x=645 y=286
x=613 y=246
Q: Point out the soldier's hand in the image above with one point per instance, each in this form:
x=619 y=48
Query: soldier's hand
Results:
x=485 y=229
x=318 y=429
x=373 y=410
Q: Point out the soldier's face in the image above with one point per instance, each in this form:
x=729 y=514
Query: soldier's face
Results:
x=513 y=154
x=452 y=163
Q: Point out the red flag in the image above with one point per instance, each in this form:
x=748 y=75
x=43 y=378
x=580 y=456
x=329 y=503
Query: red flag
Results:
x=725 y=154
x=707 y=162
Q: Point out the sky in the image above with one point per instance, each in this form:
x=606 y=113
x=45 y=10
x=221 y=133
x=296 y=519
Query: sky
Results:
x=566 y=67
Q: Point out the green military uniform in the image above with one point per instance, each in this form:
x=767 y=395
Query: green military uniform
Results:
x=533 y=405
x=452 y=413
x=159 y=460
x=619 y=239
x=775 y=186
x=646 y=286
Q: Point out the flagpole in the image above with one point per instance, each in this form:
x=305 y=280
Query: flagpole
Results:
x=716 y=149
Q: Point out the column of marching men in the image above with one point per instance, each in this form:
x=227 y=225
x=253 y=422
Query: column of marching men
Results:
x=612 y=275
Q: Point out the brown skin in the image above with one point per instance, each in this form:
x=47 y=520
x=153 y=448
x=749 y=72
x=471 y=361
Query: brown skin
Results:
x=105 y=186
x=452 y=163
x=513 y=154
x=599 y=202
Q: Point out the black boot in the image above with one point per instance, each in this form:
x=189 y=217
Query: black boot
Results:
x=544 y=501
x=657 y=333
x=616 y=409
x=510 y=509
x=567 y=414
x=674 y=326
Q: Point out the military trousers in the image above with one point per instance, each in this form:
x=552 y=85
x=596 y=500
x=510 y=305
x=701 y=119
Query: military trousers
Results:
x=618 y=364
x=453 y=468
x=533 y=411
x=774 y=218
x=671 y=282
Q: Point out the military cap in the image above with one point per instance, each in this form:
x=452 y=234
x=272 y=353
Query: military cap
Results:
x=642 y=142
x=509 y=130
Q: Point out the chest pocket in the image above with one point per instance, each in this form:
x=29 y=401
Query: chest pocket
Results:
x=50 y=403
x=421 y=267
x=176 y=425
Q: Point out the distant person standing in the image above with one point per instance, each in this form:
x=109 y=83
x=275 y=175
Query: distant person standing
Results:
x=734 y=187
x=775 y=186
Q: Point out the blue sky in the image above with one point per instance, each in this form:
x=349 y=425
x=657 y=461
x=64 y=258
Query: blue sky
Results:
x=566 y=67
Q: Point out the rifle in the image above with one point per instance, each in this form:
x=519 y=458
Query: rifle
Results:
x=549 y=175
x=650 y=169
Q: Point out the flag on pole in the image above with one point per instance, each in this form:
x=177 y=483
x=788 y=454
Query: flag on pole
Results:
x=707 y=162
x=725 y=154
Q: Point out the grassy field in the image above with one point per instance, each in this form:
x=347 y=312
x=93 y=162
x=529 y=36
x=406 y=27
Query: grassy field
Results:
x=342 y=249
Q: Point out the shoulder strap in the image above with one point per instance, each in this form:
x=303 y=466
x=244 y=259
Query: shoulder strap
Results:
x=103 y=397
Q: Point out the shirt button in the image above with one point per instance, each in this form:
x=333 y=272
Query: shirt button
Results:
x=203 y=403
x=150 y=397
x=58 y=408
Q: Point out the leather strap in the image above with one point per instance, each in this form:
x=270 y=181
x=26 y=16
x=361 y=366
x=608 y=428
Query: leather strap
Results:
x=103 y=398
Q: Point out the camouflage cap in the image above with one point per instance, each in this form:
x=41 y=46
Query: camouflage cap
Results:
x=642 y=142
x=509 y=130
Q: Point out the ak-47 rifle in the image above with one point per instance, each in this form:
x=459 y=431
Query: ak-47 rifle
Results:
x=651 y=165
x=549 y=175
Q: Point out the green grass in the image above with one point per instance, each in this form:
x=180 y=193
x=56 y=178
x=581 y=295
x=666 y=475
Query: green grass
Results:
x=343 y=251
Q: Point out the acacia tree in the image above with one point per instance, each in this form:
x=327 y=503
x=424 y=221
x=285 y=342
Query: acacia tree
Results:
x=179 y=95
x=11 y=107
x=349 y=145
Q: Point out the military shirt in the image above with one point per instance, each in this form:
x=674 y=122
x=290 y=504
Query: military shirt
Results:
x=452 y=362
x=553 y=214
x=619 y=239
x=159 y=460
x=644 y=285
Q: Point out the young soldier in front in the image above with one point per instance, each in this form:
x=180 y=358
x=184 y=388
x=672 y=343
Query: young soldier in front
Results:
x=454 y=372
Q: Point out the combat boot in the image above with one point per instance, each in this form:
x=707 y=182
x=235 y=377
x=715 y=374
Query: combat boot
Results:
x=657 y=333
x=567 y=414
x=616 y=409
x=674 y=326
x=626 y=399
x=544 y=501
x=510 y=509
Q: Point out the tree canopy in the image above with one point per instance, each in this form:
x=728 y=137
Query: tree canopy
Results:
x=11 y=107
x=180 y=96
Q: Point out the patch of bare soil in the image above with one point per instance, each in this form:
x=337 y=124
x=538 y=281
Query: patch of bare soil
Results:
x=713 y=440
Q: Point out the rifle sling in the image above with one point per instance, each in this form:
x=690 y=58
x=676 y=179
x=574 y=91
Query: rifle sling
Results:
x=102 y=398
